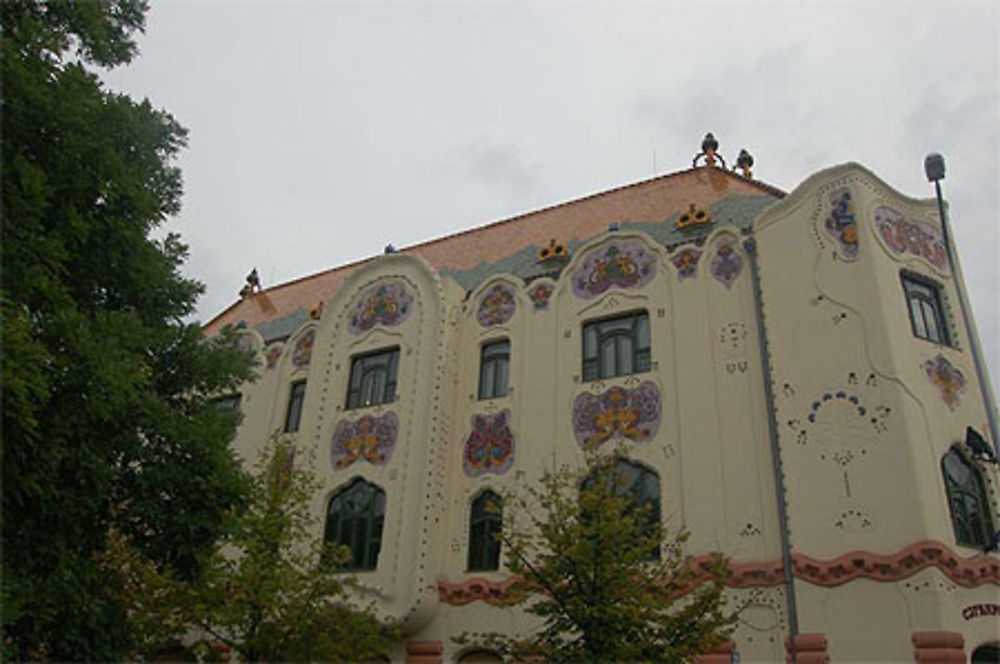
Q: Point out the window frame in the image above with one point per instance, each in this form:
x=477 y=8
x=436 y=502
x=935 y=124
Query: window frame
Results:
x=296 y=402
x=493 y=362
x=387 y=393
x=484 y=527
x=932 y=304
x=640 y=495
x=227 y=404
x=342 y=527
x=640 y=358
x=959 y=495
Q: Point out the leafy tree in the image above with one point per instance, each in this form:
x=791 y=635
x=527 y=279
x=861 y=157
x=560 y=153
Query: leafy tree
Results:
x=601 y=573
x=271 y=590
x=106 y=416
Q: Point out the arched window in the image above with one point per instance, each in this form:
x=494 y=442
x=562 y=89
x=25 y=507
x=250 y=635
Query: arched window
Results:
x=485 y=525
x=354 y=519
x=970 y=515
x=642 y=486
x=616 y=346
x=373 y=378
x=986 y=654
x=494 y=367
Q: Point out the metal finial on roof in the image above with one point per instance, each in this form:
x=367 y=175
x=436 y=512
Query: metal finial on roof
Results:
x=744 y=163
x=709 y=151
x=252 y=285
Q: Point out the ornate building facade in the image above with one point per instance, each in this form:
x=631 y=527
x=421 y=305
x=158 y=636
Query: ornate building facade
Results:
x=791 y=373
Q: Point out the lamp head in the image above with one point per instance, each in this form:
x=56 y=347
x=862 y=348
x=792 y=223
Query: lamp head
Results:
x=934 y=167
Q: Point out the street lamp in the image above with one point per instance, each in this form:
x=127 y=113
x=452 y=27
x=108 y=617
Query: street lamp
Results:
x=934 y=169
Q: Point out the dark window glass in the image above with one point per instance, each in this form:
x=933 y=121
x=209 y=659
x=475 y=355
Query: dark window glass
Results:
x=494 y=368
x=987 y=654
x=227 y=404
x=354 y=519
x=294 y=414
x=373 y=378
x=923 y=298
x=642 y=486
x=485 y=524
x=616 y=346
x=970 y=516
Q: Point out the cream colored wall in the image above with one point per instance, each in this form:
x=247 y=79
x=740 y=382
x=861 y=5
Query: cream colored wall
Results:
x=711 y=450
x=852 y=484
x=871 y=482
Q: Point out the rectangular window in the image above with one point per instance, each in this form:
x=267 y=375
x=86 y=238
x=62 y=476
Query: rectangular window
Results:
x=616 y=346
x=923 y=299
x=227 y=404
x=373 y=378
x=494 y=369
x=295 y=398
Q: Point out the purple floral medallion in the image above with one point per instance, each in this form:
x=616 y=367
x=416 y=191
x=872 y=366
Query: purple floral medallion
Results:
x=949 y=381
x=619 y=264
x=490 y=446
x=302 y=354
x=906 y=236
x=686 y=262
x=727 y=264
x=539 y=295
x=841 y=224
x=370 y=438
x=273 y=355
x=497 y=306
x=617 y=413
x=388 y=303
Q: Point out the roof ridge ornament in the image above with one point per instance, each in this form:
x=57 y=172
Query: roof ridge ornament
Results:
x=555 y=251
x=744 y=162
x=695 y=216
x=709 y=151
x=252 y=286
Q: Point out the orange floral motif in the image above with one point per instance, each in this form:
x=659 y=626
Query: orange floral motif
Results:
x=302 y=354
x=369 y=438
x=949 y=381
x=616 y=413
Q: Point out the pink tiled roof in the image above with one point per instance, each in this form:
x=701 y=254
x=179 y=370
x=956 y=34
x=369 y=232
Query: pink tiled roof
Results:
x=651 y=200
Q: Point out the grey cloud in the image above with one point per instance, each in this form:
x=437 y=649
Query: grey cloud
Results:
x=501 y=167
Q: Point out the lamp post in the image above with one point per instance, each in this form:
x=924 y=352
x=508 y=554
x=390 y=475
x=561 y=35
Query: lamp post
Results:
x=934 y=169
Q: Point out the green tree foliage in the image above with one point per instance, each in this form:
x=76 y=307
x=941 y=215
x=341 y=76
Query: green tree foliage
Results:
x=603 y=576
x=271 y=590
x=106 y=417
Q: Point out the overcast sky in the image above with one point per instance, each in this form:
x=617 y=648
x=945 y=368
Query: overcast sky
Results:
x=322 y=131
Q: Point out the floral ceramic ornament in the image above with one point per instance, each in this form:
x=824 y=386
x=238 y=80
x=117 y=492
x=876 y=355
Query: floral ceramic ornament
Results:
x=302 y=354
x=368 y=438
x=539 y=295
x=497 y=306
x=905 y=236
x=490 y=446
x=727 y=264
x=686 y=262
x=949 y=381
x=625 y=265
x=618 y=413
x=387 y=303
x=841 y=225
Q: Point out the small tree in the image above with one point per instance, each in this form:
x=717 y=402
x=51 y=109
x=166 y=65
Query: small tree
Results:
x=602 y=574
x=271 y=591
